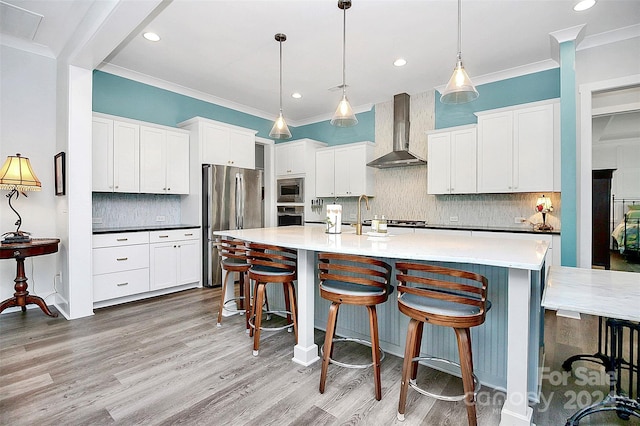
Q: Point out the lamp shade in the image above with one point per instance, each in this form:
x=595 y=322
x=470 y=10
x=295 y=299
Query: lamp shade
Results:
x=344 y=116
x=460 y=89
x=280 y=130
x=544 y=204
x=17 y=173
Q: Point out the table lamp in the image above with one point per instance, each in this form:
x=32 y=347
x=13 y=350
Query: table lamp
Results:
x=543 y=205
x=17 y=176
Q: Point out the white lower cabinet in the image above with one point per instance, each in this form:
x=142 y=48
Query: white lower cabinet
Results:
x=174 y=257
x=129 y=266
x=120 y=265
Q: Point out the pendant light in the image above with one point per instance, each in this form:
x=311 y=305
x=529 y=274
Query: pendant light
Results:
x=280 y=130
x=344 y=116
x=460 y=89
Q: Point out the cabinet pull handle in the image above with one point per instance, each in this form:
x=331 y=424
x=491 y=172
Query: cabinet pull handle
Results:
x=121 y=284
x=120 y=259
x=163 y=236
x=188 y=235
x=122 y=239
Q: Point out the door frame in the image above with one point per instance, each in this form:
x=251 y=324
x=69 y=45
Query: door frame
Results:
x=585 y=157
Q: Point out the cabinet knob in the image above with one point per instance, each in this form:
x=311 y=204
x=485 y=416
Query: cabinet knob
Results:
x=168 y=189
x=117 y=187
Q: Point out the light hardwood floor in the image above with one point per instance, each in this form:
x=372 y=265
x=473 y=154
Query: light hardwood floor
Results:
x=164 y=361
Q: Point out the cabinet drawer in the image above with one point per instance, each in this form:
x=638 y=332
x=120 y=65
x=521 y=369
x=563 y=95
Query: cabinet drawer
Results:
x=119 y=284
x=122 y=239
x=174 y=235
x=116 y=259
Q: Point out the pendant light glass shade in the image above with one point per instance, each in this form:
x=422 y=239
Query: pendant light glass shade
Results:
x=280 y=130
x=344 y=116
x=460 y=89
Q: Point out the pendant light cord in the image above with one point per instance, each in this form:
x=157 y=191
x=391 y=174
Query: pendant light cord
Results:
x=280 y=42
x=344 y=49
x=459 y=31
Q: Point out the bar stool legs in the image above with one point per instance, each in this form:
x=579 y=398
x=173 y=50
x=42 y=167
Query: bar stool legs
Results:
x=353 y=280
x=444 y=297
x=255 y=321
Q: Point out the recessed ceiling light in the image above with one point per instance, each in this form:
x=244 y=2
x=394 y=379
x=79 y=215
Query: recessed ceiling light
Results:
x=400 y=62
x=151 y=36
x=584 y=5
x=296 y=95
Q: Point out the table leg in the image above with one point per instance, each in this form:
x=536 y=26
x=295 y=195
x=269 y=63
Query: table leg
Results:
x=516 y=410
x=306 y=351
x=22 y=297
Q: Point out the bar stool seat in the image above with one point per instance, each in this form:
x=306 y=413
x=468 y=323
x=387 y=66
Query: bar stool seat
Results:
x=233 y=259
x=353 y=280
x=271 y=264
x=446 y=297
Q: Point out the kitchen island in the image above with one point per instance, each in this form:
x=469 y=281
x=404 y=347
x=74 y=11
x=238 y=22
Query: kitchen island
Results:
x=513 y=268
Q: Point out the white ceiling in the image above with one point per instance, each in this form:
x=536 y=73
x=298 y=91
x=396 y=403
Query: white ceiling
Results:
x=225 y=49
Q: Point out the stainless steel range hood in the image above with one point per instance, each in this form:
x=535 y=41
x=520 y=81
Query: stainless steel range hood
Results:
x=400 y=156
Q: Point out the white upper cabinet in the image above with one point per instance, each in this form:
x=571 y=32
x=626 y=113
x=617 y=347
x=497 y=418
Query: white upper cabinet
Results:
x=452 y=161
x=115 y=156
x=516 y=149
x=164 y=161
x=342 y=171
x=297 y=158
x=290 y=158
x=222 y=143
x=137 y=157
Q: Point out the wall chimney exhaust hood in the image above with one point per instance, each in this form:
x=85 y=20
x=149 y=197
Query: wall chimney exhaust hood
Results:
x=400 y=156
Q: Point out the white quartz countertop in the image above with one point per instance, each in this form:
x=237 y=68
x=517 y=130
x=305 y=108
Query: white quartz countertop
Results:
x=509 y=253
x=611 y=294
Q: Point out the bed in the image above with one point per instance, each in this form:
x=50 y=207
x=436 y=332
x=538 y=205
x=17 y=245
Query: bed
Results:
x=627 y=232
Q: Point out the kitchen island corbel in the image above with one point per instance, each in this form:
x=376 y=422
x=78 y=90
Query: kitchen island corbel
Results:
x=515 y=283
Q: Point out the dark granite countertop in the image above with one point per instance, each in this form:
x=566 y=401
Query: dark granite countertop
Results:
x=115 y=230
x=512 y=229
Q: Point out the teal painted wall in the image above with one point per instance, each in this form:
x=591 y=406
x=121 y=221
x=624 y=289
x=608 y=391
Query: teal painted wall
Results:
x=513 y=91
x=127 y=98
x=568 y=131
x=323 y=131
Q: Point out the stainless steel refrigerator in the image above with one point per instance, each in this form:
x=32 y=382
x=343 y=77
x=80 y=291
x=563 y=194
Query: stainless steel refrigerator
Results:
x=232 y=198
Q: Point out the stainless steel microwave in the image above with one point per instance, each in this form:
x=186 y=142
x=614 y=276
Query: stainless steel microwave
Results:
x=291 y=190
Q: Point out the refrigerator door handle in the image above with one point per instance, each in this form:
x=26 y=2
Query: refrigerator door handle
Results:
x=239 y=201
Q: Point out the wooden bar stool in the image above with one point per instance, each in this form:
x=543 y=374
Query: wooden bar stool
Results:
x=447 y=297
x=233 y=259
x=271 y=265
x=353 y=280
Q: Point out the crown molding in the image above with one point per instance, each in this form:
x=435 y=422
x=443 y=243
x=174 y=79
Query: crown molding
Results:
x=510 y=73
x=182 y=90
x=26 y=46
x=613 y=36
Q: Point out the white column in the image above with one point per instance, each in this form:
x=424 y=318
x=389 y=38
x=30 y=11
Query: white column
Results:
x=516 y=410
x=306 y=351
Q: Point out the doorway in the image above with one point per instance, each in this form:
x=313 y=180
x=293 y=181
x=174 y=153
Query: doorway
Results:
x=610 y=113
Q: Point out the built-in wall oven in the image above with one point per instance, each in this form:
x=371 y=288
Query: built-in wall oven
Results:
x=291 y=190
x=290 y=215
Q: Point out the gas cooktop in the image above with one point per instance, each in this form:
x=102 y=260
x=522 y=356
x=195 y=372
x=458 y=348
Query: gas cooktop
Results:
x=400 y=222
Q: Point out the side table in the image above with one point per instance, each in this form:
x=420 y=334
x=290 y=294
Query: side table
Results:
x=20 y=251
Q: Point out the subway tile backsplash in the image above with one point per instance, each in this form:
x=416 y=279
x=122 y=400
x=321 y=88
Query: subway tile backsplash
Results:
x=118 y=210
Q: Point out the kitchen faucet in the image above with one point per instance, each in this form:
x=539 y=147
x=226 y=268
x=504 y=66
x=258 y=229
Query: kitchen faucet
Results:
x=359 y=221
